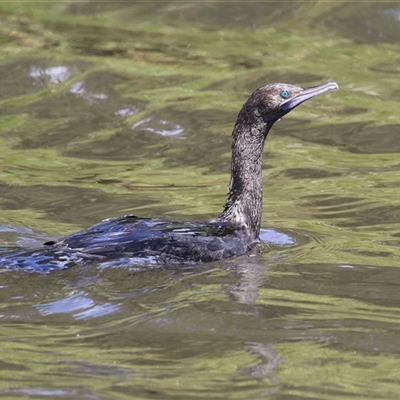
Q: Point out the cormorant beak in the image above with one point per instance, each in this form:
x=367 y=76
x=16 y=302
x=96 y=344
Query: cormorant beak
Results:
x=306 y=94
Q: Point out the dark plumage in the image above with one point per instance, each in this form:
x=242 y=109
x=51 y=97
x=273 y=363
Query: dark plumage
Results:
x=133 y=240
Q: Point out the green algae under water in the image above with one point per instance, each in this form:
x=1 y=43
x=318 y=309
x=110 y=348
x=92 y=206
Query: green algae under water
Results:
x=125 y=107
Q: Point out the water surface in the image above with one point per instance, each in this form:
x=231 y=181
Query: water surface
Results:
x=124 y=107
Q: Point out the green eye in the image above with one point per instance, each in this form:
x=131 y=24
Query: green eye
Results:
x=285 y=94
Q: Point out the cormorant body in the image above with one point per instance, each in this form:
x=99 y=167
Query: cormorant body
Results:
x=131 y=240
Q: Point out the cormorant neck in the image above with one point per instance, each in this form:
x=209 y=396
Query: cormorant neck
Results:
x=243 y=207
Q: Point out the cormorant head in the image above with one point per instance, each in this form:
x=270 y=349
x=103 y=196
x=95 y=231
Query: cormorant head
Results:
x=272 y=102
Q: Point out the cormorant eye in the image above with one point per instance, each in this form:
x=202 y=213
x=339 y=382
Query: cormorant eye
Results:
x=285 y=94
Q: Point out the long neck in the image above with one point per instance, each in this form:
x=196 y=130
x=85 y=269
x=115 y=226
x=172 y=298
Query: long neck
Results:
x=243 y=208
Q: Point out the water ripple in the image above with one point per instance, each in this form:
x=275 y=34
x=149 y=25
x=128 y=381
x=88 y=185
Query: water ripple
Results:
x=159 y=126
x=79 y=305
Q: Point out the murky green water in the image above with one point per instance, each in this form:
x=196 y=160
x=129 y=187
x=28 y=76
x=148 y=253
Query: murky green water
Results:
x=109 y=108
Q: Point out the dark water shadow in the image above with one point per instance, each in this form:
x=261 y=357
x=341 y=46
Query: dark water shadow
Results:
x=377 y=22
x=214 y=16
